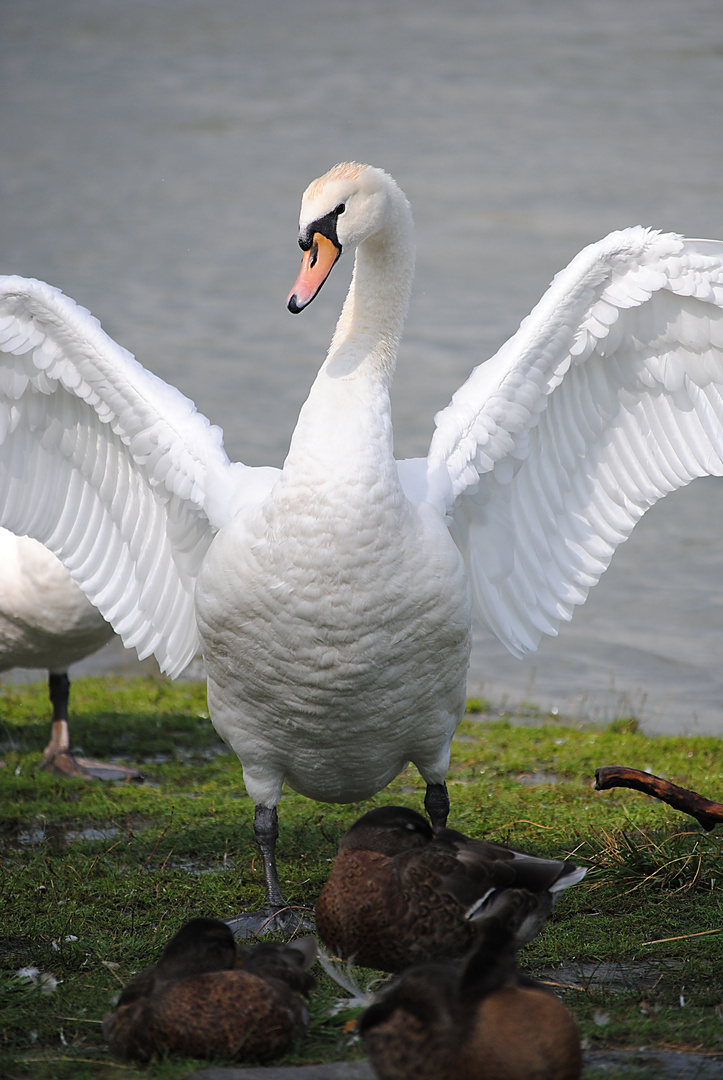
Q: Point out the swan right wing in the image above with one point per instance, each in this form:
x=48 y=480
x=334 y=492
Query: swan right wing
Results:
x=112 y=469
x=609 y=396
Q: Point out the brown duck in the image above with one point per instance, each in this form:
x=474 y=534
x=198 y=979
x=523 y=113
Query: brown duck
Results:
x=400 y=893
x=208 y=998
x=478 y=1019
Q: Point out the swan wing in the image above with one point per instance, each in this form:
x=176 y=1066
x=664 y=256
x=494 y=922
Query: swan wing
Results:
x=111 y=468
x=608 y=397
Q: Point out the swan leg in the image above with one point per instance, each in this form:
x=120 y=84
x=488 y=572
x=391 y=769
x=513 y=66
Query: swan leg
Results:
x=59 y=693
x=266 y=833
x=57 y=757
x=436 y=803
x=275 y=914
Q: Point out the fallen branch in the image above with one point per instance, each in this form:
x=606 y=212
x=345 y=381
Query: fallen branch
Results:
x=707 y=813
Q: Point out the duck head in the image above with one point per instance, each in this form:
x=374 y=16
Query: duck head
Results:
x=390 y=830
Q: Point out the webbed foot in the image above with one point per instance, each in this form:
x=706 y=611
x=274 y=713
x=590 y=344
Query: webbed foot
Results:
x=64 y=763
x=287 y=921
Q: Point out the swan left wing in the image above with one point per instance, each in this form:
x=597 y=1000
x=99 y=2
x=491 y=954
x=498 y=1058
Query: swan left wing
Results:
x=111 y=468
x=608 y=397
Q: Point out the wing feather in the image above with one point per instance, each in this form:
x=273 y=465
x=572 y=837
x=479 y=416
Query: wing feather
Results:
x=609 y=396
x=111 y=468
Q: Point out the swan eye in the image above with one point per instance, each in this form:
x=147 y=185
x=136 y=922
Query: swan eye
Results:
x=340 y=208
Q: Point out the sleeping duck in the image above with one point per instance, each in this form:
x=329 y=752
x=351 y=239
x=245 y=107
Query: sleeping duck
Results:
x=208 y=998
x=477 y=1019
x=400 y=892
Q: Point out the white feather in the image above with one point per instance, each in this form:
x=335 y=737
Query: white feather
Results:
x=45 y=620
x=334 y=598
x=632 y=419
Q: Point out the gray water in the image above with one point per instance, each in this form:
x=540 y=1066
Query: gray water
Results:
x=152 y=158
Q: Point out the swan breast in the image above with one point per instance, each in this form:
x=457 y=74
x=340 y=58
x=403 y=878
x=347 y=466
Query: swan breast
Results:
x=332 y=606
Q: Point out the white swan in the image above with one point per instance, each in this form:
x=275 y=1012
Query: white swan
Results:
x=47 y=621
x=333 y=598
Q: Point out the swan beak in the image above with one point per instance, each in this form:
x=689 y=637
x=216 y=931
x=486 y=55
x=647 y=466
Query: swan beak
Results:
x=315 y=268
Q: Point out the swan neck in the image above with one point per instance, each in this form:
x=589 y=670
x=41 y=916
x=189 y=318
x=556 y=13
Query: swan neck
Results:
x=345 y=426
x=370 y=326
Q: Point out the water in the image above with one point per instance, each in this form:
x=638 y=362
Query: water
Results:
x=152 y=157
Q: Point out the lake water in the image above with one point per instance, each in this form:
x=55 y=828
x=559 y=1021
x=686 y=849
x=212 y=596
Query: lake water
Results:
x=152 y=158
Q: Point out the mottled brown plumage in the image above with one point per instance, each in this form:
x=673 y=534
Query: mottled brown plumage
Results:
x=400 y=893
x=206 y=998
x=478 y=1019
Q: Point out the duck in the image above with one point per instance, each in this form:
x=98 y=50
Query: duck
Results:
x=46 y=621
x=474 y=1019
x=209 y=998
x=400 y=893
x=332 y=599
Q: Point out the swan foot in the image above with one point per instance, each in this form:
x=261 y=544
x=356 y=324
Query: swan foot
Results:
x=57 y=757
x=67 y=764
x=287 y=921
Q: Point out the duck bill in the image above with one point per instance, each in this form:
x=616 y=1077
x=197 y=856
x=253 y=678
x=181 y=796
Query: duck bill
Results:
x=315 y=268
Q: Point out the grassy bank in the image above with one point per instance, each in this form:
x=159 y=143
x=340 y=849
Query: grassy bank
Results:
x=94 y=878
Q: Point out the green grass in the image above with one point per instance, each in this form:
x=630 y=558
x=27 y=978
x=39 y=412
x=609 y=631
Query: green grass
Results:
x=94 y=878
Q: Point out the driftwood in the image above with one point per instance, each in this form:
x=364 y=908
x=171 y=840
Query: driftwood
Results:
x=708 y=813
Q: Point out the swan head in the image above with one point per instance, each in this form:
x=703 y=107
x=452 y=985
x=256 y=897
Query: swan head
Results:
x=341 y=209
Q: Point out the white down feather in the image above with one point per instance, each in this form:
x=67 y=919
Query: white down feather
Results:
x=333 y=599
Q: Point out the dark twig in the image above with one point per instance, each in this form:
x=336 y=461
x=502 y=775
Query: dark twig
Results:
x=708 y=813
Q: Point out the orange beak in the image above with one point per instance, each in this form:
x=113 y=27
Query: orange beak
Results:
x=315 y=268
